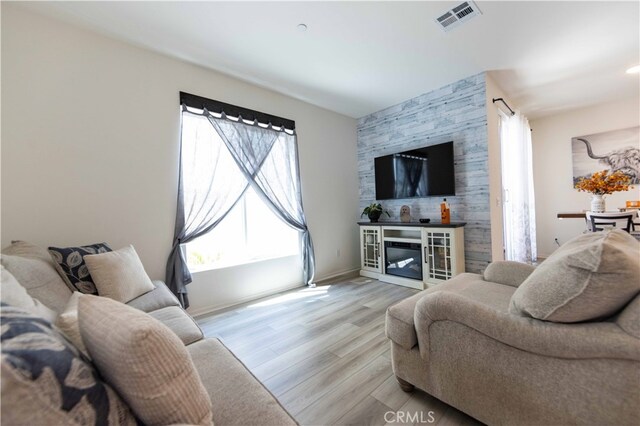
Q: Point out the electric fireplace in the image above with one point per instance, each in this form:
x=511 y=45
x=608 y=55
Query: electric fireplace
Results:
x=403 y=259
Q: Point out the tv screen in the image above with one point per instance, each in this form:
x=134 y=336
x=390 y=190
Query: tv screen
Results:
x=422 y=172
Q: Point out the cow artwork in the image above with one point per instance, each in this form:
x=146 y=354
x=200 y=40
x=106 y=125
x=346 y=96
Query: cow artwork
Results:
x=617 y=150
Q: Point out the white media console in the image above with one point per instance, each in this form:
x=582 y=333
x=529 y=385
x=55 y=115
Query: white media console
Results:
x=411 y=254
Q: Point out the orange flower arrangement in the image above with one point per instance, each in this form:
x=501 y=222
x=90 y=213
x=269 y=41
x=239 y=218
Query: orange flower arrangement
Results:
x=602 y=183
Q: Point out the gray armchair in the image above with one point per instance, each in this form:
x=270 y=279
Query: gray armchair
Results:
x=458 y=342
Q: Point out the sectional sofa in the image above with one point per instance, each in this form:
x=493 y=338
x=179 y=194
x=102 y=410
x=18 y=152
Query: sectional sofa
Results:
x=237 y=397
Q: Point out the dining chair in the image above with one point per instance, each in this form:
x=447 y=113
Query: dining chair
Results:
x=602 y=221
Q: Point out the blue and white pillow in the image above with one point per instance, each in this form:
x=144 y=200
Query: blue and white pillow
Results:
x=46 y=380
x=71 y=267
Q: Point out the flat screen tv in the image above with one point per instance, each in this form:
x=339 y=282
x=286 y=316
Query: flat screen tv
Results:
x=422 y=172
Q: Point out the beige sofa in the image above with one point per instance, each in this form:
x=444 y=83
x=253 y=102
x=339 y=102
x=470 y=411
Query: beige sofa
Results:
x=458 y=342
x=237 y=397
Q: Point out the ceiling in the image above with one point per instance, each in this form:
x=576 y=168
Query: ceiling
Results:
x=359 y=57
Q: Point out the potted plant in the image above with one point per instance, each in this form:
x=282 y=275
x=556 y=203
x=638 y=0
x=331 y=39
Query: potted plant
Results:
x=374 y=211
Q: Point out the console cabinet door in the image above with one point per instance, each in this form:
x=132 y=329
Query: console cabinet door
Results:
x=443 y=253
x=370 y=248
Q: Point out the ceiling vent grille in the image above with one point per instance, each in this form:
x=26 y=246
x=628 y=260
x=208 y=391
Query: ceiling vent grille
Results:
x=458 y=15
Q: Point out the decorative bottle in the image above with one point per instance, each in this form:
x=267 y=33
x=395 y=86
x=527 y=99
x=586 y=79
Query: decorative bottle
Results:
x=445 y=212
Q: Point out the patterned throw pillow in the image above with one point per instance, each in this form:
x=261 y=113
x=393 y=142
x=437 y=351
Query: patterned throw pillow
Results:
x=45 y=380
x=71 y=267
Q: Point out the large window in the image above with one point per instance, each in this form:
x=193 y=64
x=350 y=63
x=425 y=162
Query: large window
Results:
x=225 y=151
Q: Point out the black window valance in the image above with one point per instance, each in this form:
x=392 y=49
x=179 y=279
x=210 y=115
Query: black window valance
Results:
x=218 y=107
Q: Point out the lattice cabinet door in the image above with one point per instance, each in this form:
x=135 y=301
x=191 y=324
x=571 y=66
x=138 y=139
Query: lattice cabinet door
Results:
x=443 y=255
x=370 y=238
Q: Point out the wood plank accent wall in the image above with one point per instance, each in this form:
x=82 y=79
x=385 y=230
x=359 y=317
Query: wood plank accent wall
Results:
x=456 y=112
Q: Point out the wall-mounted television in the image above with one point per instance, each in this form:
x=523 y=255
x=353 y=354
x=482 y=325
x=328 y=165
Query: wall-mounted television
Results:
x=422 y=172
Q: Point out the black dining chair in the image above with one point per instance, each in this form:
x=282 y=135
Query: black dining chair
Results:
x=600 y=221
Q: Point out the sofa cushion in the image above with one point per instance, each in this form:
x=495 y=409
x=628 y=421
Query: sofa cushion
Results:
x=592 y=276
x=71 y=266
x=67 y=323
x=12 y=293
x=158 y=298
x=45 y=380
x=119 y=274
x=179 y=322
x=34 y=269
x=237 y=397
x=144 y=361
x=400 y=323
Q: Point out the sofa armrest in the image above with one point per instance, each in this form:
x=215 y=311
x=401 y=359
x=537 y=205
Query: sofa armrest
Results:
x=568 y=341
x=507 y=272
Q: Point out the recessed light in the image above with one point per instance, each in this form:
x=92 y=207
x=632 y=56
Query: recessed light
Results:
x=302 y=27
x=634 y=70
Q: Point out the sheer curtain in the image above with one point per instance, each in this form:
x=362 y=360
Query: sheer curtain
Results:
x=219 y=159
x=270 y=165
x=517 y=183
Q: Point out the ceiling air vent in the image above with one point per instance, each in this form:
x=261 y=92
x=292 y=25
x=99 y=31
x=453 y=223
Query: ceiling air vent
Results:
x=458 y=15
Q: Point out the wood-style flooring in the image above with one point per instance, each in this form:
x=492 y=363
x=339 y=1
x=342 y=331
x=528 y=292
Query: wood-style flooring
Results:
x=323 y=353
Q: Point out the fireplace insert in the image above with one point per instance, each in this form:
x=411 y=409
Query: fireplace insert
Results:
x=403 y=259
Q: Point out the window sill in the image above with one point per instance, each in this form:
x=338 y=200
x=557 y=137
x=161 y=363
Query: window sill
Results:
x=204 y=268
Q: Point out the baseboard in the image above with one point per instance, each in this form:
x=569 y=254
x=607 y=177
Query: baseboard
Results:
x=218 y=309
x=351 y=273
x=213 y=309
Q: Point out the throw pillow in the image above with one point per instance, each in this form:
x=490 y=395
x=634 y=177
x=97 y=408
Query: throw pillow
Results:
x=590 y=277
x=72 y=268
x=12 y=293
x=34 y=269
x=144 y=361
x=119 y=274
x=45 y=380
x=67 y=323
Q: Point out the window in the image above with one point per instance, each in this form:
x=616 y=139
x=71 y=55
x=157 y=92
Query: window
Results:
x=250 y=232
x=225 y=149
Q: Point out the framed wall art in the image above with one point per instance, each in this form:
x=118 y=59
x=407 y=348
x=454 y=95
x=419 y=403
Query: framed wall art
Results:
x=614 y=150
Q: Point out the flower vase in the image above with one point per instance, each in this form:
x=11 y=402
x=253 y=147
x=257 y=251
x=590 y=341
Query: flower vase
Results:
x=597 y=203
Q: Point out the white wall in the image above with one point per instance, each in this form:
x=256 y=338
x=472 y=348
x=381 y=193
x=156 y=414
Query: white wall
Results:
x=90 y=129
x=553 y=168
x=495 y=166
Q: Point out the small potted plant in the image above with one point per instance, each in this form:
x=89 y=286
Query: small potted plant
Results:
x=374 y=211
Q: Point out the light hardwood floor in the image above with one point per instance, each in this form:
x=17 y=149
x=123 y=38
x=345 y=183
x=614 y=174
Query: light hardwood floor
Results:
x=323 y=353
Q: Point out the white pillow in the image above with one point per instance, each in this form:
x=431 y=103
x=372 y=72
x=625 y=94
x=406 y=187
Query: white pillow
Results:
x=119 y=274
x=145 y=362
x=67 y=322
x=16 y=295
